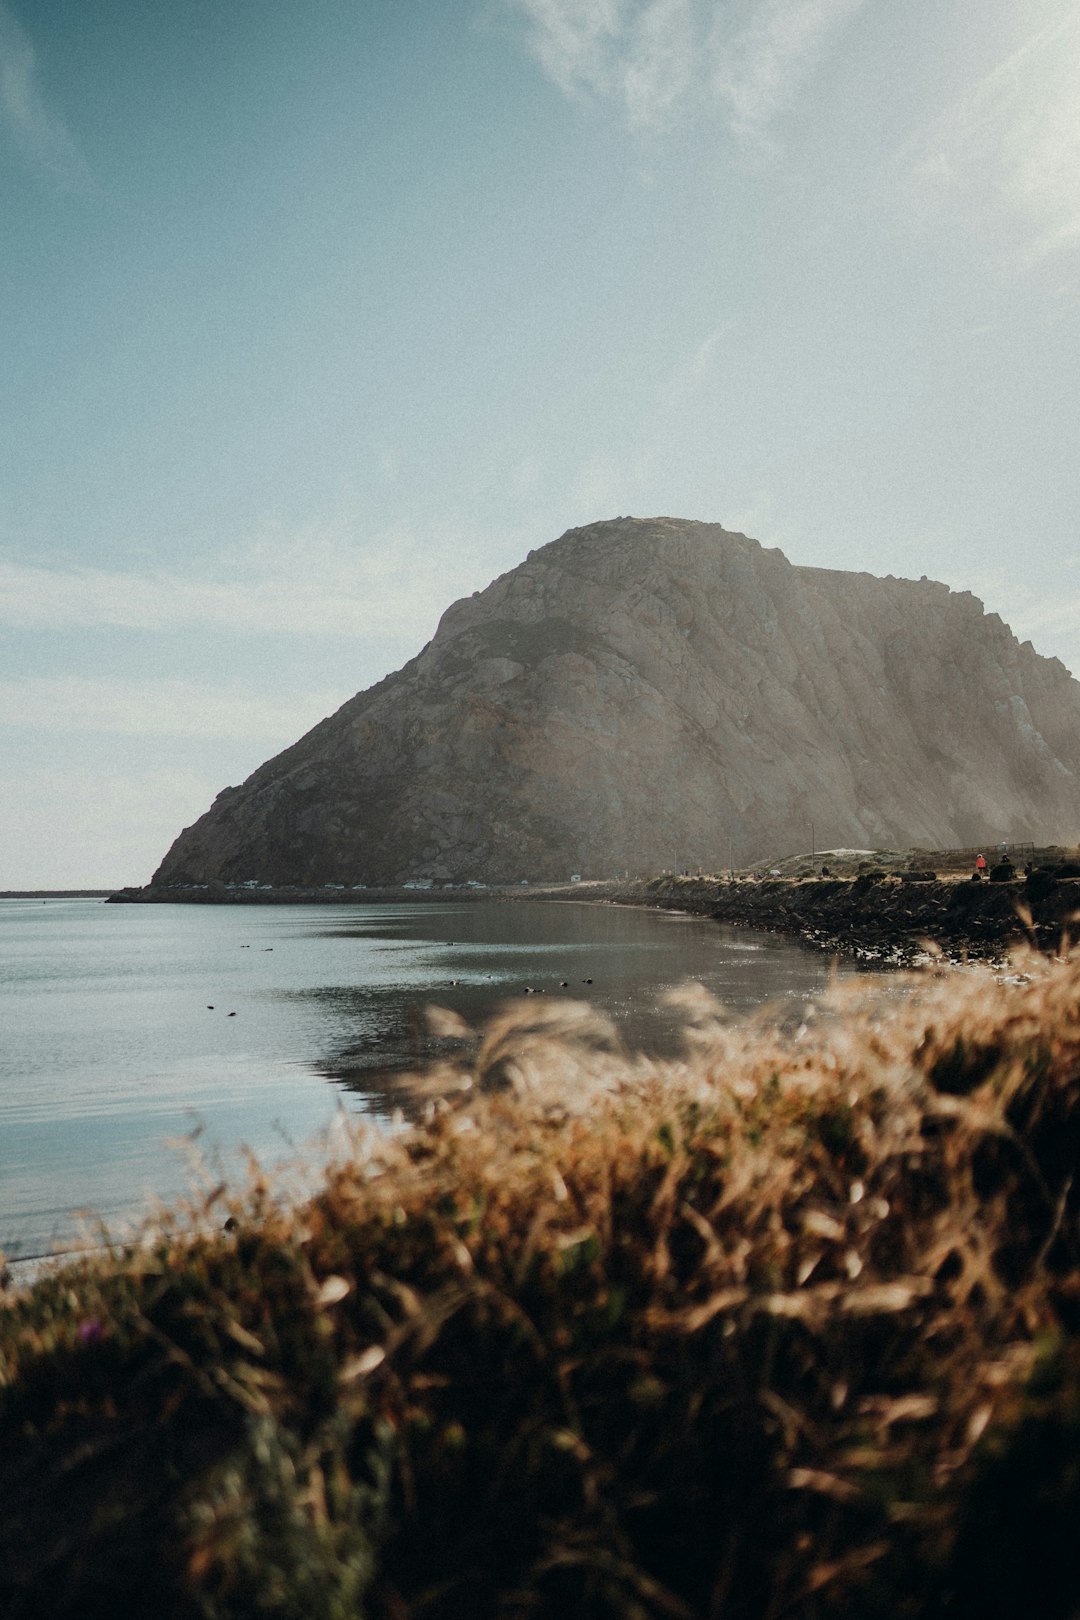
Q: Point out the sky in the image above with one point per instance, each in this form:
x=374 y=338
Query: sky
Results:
x=314 y=318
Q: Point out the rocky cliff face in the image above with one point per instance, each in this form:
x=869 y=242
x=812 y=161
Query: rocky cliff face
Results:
x=642 y=694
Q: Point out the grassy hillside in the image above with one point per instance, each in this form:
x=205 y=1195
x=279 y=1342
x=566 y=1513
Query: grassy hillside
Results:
x=788 y=1327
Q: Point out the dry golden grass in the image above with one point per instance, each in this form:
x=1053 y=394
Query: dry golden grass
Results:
x=786 y=1327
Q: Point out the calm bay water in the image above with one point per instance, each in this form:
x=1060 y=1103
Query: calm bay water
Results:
x=116 y=1037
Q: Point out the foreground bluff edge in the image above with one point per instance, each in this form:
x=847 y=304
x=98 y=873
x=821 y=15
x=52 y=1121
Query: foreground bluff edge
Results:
x=642 y=694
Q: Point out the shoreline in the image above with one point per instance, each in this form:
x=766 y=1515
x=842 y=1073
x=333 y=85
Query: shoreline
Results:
x=56 y=894
x=889 y=918
x=225 y=895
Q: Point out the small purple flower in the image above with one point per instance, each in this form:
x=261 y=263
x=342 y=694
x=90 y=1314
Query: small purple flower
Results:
x=90 y=1330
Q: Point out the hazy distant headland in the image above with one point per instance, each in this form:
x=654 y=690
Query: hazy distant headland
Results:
x=650 y=694
x=55 y=894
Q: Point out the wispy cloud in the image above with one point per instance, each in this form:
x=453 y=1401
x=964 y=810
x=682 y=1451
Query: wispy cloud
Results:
x=159 y=708
x=1006 y=155
x=761 y=55
x=575 y=41
x=311 y=583
x=746 y=60
x=40 y=134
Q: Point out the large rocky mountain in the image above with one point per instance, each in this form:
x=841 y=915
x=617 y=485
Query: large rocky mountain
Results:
x=642 y=694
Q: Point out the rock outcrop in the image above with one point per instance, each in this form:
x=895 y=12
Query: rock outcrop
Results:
x=644 y=694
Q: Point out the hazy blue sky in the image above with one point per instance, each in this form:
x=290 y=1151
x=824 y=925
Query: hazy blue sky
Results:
x=315 y=316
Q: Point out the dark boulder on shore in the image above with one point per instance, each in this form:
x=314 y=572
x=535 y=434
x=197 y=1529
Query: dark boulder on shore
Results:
x=650 y=694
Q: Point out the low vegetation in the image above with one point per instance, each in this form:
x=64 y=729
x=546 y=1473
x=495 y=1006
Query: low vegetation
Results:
x=786 y=1328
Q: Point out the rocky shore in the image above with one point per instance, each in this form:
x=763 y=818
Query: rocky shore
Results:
x=889 y=918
